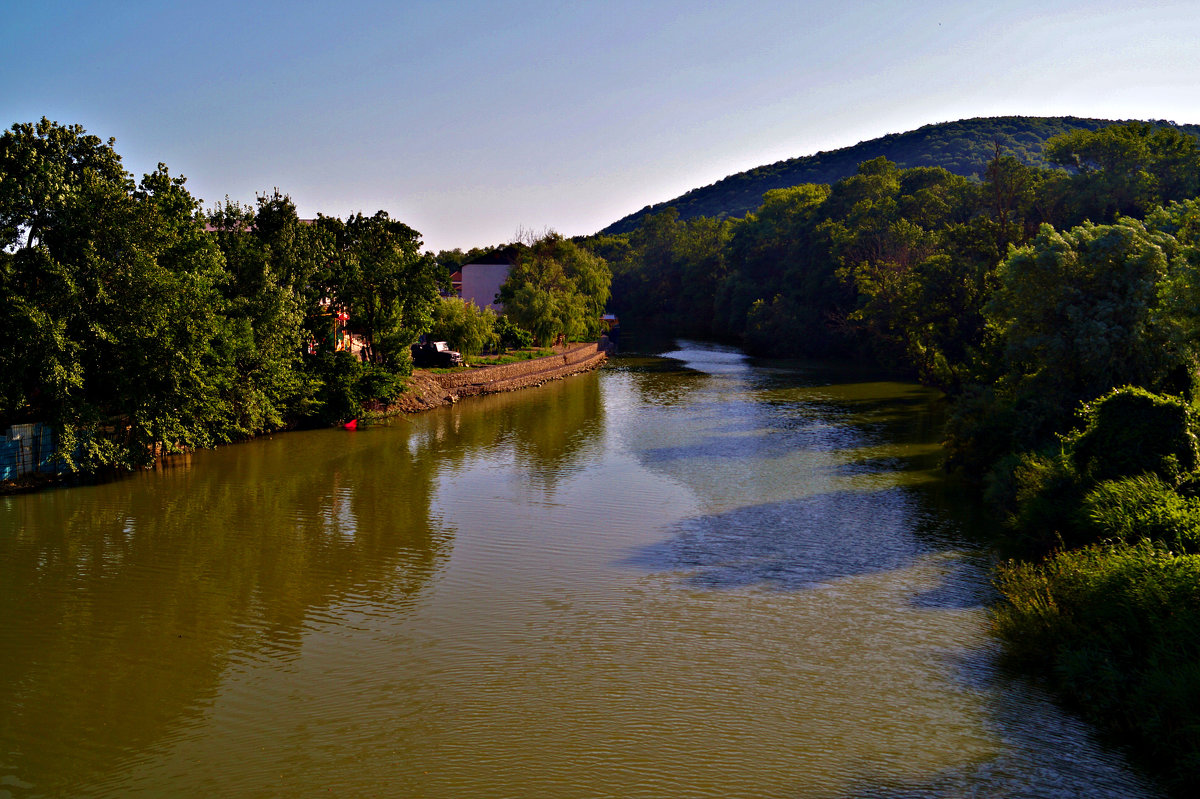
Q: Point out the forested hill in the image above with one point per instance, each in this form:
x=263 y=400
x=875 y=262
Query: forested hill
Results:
x=961 y=147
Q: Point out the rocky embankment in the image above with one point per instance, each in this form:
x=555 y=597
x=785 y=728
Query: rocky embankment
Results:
x=427 y=390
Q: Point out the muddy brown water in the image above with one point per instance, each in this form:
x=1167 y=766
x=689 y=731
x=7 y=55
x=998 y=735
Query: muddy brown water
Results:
x=681 y=576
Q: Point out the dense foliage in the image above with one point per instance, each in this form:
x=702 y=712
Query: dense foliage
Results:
x=467 y=327
x=556 y=288
x=913 y=266
x=669 y=271
x=112 y=294
x=1117 y=628
x=141 y=325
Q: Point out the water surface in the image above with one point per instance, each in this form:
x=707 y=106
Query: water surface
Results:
x=681 y=576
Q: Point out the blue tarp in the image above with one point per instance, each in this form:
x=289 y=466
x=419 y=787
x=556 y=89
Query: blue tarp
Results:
x=27 y=448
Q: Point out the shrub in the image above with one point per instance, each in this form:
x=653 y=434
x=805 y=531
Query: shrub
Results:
x=512 y=337
x=1119 y=476
x=1130 y=431
x=466 y=326
x=1039 y=495
x=346 y=383
x=1118 y=629
x=986 y=424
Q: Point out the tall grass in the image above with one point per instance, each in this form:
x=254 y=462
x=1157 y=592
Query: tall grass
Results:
x=1144 y=507
x=1117 y=628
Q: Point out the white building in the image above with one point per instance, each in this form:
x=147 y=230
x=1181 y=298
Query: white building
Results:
x=481 y=284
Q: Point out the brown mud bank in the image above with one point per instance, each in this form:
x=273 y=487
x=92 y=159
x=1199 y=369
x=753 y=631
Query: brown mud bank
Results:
x=427 y=390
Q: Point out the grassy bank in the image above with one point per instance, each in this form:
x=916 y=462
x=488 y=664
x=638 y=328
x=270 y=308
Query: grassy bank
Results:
x=1116 y=628
x=1106 y=599
x=511 y=356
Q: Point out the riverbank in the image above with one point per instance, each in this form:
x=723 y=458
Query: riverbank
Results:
x=1112 y=629
x=424 y=390
x=427 y=390
x=1102 y=601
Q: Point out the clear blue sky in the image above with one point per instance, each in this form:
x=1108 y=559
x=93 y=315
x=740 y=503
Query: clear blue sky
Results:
x=470 y=120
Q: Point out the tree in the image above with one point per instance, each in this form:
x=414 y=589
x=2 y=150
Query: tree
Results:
x=274 y=264
x=388 y=287
x=466 y=326
x=557 y=287
x=1078 y=313
x=1126 y=169
x=917 y=303
x=44 y=167
x=646 y=278
x=1009 y=191
x=112 y=293
x=779 y=252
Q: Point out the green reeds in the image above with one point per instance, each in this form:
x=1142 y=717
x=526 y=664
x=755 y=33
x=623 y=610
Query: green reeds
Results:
x=1117 y=629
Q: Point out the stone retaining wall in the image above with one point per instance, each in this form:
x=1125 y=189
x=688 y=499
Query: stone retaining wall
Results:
x=576 y=353
x=523 y=374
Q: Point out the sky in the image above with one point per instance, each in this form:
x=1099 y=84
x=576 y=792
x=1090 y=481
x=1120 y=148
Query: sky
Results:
x=475 y=122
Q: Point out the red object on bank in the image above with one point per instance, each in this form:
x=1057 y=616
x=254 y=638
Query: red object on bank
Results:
x=351 y=425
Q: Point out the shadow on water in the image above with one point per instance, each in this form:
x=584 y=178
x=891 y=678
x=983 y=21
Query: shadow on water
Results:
x=732 y=439
x=817 y=408
x=805 y=543
x=793 y=545
x=869 y=518
x=1047 y=753
x=870 y=438
x=675 y=379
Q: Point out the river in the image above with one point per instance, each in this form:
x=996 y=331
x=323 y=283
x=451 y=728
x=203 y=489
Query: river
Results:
x=687 y=575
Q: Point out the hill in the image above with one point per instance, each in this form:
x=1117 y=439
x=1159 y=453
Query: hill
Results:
x=961 y=147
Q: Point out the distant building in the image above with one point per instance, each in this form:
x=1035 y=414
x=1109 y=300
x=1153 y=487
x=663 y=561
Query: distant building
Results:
x=483 y=277
x=481 y=284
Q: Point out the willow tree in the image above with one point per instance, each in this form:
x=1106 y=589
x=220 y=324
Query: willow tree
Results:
x=469 y=328
x=557 y=287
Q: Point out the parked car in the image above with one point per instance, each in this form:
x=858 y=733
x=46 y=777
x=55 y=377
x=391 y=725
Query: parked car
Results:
x=435 y=354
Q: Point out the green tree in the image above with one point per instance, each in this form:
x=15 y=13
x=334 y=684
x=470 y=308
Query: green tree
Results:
x=45 y=167
x=1075 y=307
x=274 y=264
x=1126 y=169
x=557 y=287
x=918 y=303
x=113 y=293
x=1081 y=312
x=388 y=287
x=467 y=327
x=1009 y=194
x=781 y=252
x=646 y=276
